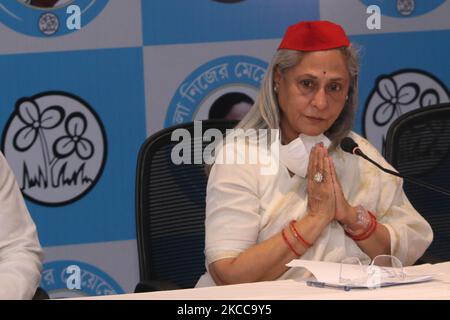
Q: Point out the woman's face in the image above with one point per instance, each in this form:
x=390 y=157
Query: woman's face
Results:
x=312 y=94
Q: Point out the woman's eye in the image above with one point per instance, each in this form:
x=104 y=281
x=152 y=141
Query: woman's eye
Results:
x=335 y=87
x=307 y=83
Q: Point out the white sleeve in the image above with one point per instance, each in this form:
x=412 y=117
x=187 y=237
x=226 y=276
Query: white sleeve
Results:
x=20 y=251
x=410 y=233
x=232 y=211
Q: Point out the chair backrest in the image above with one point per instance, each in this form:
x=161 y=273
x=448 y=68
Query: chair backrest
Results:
x=40 y=294
x=170 y=206
x=418 y=145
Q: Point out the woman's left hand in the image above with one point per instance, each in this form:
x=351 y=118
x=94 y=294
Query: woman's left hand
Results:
x=345 y=213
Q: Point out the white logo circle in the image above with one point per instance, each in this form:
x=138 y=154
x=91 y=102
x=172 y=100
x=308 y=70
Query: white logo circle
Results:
x=396 y=94
x=48 y=24
x=56 y=147
x=406 y=7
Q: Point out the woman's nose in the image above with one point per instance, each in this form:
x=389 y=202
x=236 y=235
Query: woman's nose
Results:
x=320 y=99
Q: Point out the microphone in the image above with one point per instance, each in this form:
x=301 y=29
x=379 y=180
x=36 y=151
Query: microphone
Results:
x=349 y=145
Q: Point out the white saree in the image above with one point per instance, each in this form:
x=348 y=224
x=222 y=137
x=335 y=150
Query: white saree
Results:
x=244 y=208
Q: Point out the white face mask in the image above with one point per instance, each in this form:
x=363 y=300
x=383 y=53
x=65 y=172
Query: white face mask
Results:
x=295 y=155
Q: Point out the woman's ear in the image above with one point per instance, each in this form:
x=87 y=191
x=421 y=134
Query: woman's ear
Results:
x=349 y=93
x=276 y=76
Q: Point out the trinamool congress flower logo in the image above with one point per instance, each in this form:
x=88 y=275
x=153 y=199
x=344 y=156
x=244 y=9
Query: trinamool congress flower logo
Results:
x=56 y=146
x=93 y=281
x=405 y=8
x=45 y=18
x=395 y=94
x=229 y=74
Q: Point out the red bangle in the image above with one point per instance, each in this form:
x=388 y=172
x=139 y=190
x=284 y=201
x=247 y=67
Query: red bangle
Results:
x=298 y=236
x=366 y=234
x=289 y=244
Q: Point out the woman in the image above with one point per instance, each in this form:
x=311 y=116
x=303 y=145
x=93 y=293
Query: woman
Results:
x=322 y=204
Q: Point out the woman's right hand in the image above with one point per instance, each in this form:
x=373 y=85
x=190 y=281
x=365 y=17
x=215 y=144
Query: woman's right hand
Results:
x=321 y=196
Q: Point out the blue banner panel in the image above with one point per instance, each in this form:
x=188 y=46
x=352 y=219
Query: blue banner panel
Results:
x=181 y=21
x=72 y=124
x=400 y=72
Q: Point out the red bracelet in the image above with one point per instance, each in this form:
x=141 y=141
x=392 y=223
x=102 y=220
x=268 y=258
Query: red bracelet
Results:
x=289 y=244
x=298 y=236
x=366 y=234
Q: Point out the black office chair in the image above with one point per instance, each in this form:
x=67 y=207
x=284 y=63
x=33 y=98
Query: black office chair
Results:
x=418 y=145
x=170 y=211
x=40 y=294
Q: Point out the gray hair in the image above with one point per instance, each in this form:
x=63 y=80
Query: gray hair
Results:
x=265 y=113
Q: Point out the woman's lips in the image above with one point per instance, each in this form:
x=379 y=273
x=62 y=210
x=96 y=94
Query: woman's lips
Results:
x=314 y=119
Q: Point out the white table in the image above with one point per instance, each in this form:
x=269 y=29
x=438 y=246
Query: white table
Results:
x=439 y=288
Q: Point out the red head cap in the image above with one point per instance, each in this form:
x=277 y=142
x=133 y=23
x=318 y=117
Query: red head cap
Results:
x=314 y=36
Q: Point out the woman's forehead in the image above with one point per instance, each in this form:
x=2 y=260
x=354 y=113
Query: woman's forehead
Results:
x=330 y=63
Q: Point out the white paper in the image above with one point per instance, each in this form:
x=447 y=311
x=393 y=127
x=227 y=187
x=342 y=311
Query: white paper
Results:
x=329 y=274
